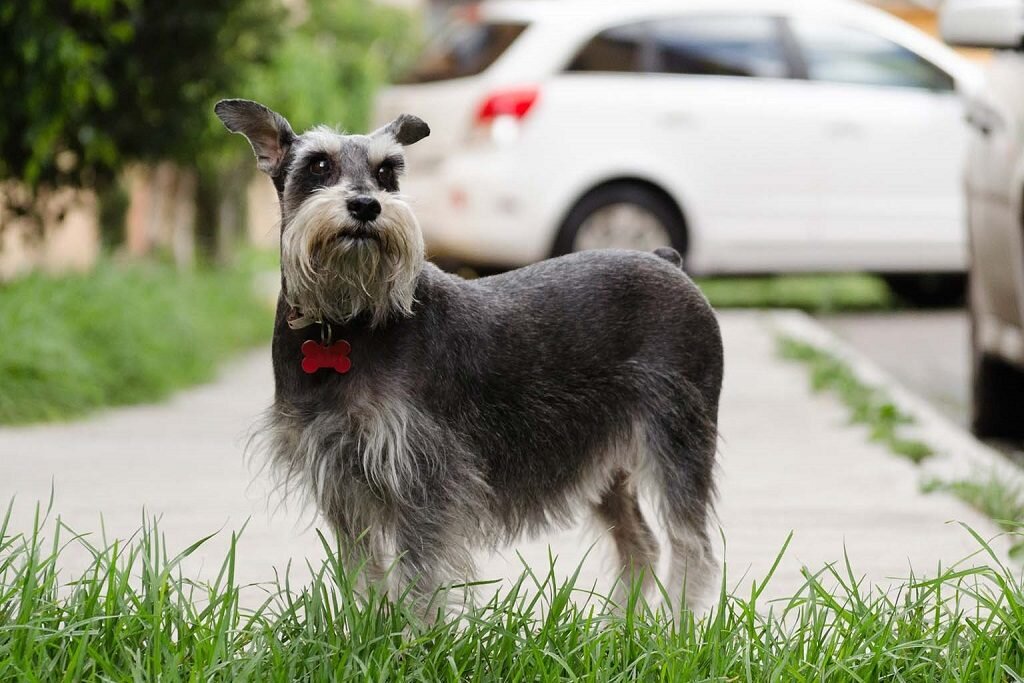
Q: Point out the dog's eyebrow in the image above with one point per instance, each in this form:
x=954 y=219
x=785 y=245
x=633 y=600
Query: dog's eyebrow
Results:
x=319 y=140
x=383 y=148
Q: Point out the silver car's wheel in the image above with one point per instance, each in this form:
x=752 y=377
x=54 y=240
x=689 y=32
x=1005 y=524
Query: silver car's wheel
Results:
x=622 y=226
x=997 y=387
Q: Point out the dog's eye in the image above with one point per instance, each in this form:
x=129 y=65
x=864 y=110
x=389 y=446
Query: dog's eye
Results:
x=319 y=166
x=386 y=175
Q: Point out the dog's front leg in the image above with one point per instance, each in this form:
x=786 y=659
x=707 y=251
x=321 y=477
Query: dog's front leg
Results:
x=433 y=562
x=367 y=561
x=364 y=541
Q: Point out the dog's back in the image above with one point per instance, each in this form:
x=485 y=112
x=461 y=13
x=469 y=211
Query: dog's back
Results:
x=594 y=311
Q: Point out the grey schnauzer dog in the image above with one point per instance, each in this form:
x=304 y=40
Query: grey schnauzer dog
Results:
x=427 y=415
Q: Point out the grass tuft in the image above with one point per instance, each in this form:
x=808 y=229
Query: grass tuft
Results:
x=121 y=334
x=134 y=616
x=868 y=405
x=1002 y=501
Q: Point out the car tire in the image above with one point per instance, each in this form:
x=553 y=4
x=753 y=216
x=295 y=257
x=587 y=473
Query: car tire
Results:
x=645 y=198
x=928 y=290
x=997 y=393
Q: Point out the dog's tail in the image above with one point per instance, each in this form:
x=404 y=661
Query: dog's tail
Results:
x=670 y=255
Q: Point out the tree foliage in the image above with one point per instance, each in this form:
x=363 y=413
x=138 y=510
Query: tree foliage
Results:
x=90 y=84
x=94 y=84
x=331 y=62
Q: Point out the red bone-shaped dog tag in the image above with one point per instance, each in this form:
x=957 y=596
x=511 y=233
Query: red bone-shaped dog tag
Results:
x=318 y=356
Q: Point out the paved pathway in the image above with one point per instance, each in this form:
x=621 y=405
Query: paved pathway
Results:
x=789 y=461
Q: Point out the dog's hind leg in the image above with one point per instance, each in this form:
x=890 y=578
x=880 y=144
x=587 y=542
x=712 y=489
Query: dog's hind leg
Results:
x=693 y=567
x=619 y=512
x=683 y=445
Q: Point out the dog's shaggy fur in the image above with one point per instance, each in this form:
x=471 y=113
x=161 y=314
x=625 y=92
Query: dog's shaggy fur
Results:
x=477 y=410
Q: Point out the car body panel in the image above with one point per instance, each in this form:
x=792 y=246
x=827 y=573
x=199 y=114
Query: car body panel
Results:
x=995 y=188
x=885 y=186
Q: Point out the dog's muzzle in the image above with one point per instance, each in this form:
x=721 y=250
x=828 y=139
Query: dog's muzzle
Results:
x=346 y=253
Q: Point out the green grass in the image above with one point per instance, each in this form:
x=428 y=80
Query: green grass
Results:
x=1002 y=501
x=133 y=616
x=118 y=335
x=814 y=293
x=868 y=405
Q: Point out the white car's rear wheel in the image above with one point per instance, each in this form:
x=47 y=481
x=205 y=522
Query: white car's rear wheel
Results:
x=622 y=226
x=622 y=216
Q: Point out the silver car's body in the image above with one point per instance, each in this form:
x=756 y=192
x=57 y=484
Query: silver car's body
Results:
x=995 y=210
x=995 y=189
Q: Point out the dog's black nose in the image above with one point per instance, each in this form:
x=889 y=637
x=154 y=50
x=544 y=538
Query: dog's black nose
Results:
x=364 y=208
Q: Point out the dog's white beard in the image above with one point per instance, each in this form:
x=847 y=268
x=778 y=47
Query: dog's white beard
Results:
x=331 y=277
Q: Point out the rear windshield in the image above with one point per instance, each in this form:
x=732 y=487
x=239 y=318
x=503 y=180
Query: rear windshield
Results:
x=463 y=48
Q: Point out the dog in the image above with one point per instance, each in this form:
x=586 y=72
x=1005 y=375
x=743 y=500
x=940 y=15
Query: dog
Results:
x=427 y=415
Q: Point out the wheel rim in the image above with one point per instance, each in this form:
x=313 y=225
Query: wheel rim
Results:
x=621 y=226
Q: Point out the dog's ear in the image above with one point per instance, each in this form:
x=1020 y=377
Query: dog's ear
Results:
x=406 y=129
x=268 y=132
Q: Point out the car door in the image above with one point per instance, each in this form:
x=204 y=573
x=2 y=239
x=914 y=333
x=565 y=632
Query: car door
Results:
x=703 y=103
x=731 y=118
x=889 y=141
x=995 y=186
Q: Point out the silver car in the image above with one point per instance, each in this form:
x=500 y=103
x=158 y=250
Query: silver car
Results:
x=995 y=211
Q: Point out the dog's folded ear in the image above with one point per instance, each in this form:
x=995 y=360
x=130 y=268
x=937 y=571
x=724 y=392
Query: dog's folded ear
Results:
x=268 y=132
x=406 y=129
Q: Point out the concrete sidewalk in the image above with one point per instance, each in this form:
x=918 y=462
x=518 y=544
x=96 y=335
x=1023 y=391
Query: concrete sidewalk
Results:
x=789 y=462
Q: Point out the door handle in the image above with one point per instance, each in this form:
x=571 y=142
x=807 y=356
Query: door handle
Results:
x=979 y=123
x=844 y=129
x=676 y=119
x=983 y=117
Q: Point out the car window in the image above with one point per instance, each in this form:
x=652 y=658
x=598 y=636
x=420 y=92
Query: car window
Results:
x=842 y=54
x=720 y=46
x=463 y=48
x=717 y=45
x=622 y=48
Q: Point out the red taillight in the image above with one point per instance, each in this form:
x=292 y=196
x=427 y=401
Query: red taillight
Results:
x=515 y=102
x=468 y=13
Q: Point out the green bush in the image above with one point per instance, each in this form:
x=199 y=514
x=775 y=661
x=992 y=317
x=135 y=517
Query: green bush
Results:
x=118 y=335
x=816 y=293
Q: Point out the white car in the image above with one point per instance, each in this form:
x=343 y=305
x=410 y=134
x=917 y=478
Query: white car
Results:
x=754 y=136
